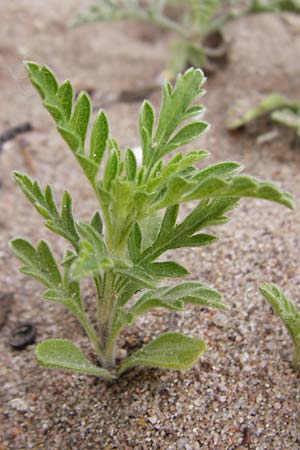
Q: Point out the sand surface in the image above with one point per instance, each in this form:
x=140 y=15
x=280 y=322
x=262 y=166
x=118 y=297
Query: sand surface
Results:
x=243 y=393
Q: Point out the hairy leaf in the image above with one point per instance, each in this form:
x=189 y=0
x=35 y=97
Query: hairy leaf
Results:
x=63 y=354
x=284 y=308
x=39 y=263
x=288 y=313
x=176 y=297
x=168 y=351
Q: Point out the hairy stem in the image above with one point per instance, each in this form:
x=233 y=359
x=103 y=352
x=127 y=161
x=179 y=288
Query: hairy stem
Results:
x=90 y=331
x=106 y=303
x=296 y=357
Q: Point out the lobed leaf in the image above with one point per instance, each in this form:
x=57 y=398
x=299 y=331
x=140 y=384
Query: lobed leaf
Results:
x=284 y=308
x=72 y=126
x=176 y=297
x=176 y=103
x=167 y=269
x=62 y=224
x=39 y=263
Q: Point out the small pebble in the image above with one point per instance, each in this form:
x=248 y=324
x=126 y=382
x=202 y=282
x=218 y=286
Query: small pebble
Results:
x=259 y=398
x=19 y=404
x=181 y=444
x=121 y=353
x=220 y=320
x=152 y=419
x=23 y=335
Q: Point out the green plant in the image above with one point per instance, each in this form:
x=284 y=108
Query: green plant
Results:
x=288 y=313
x=118 y=249
x=197 y=20
x=260 y=6
x=280 y=109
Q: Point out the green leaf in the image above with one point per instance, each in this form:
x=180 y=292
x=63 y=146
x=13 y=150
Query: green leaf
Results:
x=88 y=166
x=139 y=275
x=70 y=138
x=176 y=103
x=130 y=164
x=81 y=116
x=63 y=354
x=147 y=117
x=167 y=269
x=146 y=124
x=288 y=313
x=176 y=297
x=203 y=12
x=184 y=136
x=62 y=224
x=239 y=186
x=284 y=308
x=99 y=138
x=267 y=105
x=110 y=170
x=38 y=263
x=168 y=351
x=96 y=223
x=288 y=118
x=169 y=221
x=197 y=240
x=65 y=96
x=67 y=215
x=135 y=243
x=92 y=257
x=223 y=170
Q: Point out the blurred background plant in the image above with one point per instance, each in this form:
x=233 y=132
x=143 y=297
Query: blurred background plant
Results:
x=197 y=23
x=275 y=106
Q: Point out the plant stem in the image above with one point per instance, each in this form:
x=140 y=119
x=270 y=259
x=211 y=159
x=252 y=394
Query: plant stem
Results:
x=106 y=304
x=296 y=358
x=90 y=331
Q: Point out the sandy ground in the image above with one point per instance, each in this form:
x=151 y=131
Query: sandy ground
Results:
x=243 y=393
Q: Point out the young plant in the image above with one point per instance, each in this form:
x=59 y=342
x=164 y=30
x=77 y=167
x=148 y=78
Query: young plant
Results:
x=198 y=23
x=137 y=222
x=288 y=313
x=261 y=6
x=279 y=108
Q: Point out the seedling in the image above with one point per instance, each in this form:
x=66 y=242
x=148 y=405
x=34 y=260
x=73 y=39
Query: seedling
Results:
x=288 y=313
x=261 y=6
x=197 y=21
x=136 y=224
x=277 y=107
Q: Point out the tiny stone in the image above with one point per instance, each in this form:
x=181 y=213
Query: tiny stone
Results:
x=223 y=398
x=259 y=398
x=121 y=353
x=277 y=405
x=197 y=402
x=181 y=444
x=244 y=357
x=271 y=346
x=19 y=404
x=152 y=419
x=219 y=319
x=196 y=446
